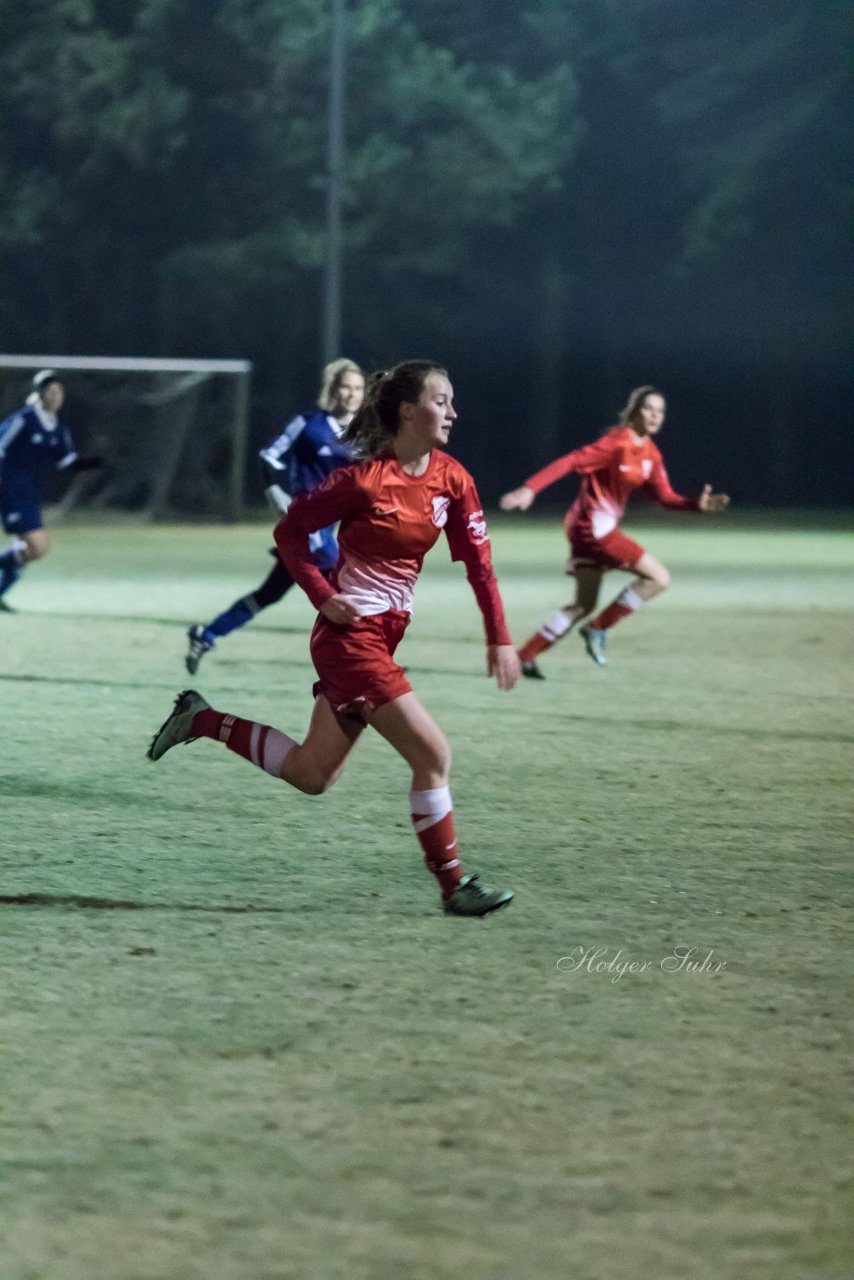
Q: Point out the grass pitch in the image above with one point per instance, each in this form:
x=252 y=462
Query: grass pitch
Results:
x=239 y=1040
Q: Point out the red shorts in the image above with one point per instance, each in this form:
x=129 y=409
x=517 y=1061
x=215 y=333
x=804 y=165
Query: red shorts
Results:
x=614 y=551
x=356 y=663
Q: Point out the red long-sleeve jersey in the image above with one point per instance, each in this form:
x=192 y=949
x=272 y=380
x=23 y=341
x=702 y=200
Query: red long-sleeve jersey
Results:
x=612 y=468
x=389 y=521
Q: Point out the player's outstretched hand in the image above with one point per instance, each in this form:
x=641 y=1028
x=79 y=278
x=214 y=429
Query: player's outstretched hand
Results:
x=339 y=610
x=502 y=661
x=517 y=499
x=709 y=501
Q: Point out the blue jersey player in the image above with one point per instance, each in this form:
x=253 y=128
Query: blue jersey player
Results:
x=299 y=459
x=28 y=439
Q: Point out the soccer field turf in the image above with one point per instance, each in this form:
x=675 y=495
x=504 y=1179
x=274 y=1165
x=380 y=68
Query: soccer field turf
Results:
x=241 y=1042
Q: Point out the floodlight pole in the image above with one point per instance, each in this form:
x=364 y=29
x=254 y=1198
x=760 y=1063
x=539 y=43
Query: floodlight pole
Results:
x=331 y=341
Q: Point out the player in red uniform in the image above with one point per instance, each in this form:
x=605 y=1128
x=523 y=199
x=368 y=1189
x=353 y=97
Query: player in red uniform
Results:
x=612 y=468
x=392 y=507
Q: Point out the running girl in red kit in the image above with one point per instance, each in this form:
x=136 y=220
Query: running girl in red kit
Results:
x=392 y=505
x=612 y=468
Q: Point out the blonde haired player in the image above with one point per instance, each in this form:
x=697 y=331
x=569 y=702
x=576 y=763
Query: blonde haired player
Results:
x=300 y=457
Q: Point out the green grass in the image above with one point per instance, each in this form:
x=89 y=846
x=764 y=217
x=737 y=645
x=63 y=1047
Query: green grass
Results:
x=272 y=1058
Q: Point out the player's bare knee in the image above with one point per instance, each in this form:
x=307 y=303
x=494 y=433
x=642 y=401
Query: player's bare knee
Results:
x=35 y=548
x=431 y=754
x=310 y=776
x=653 y=581
x=430 y=768
x=316 y=784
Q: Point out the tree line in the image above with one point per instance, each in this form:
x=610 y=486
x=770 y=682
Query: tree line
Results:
x=561 y=198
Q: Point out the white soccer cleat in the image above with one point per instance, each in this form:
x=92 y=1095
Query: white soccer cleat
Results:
x=199 y=646
x=594 y=643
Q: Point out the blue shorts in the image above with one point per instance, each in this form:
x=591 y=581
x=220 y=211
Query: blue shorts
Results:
x=19 y=517
x=324 y=548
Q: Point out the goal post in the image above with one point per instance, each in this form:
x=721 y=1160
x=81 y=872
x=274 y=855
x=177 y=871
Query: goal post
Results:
x=174 y=433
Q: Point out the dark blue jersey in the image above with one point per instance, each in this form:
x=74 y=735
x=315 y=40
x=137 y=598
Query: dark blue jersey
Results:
x=28 y=439
x=307 y=451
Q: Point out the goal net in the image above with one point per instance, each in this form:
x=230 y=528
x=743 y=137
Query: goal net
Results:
x=173 y=433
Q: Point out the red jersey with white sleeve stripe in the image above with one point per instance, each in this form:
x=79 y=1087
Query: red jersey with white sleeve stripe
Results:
x=389 y=520
x=612 y=468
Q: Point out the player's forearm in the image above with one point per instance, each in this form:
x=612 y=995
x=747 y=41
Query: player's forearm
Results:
x=676 y=502
x=272 y=460
x=662 y=490
x=549 y=475
x=305 y=573
x=308 y=576
x=292 y=545
x=485 y=588
x=590 y=457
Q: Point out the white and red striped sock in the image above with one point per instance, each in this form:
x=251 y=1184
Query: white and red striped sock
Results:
x=260 y=744
x=553 y=629
x=432 y=818
x=626 y=602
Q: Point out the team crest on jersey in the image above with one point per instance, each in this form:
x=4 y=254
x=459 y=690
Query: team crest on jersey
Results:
x=440 y=511
x=477 y=528
x=646 y=468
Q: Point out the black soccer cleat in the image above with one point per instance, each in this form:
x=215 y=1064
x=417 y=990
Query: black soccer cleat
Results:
x=178 y=725
x=471 y=898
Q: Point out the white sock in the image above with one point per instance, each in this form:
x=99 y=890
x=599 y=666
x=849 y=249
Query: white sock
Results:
x=555 y=626
x=629 y=598
x=270 y=752
x=429 y=807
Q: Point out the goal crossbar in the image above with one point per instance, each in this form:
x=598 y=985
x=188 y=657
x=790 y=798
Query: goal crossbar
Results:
x=126 y=364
